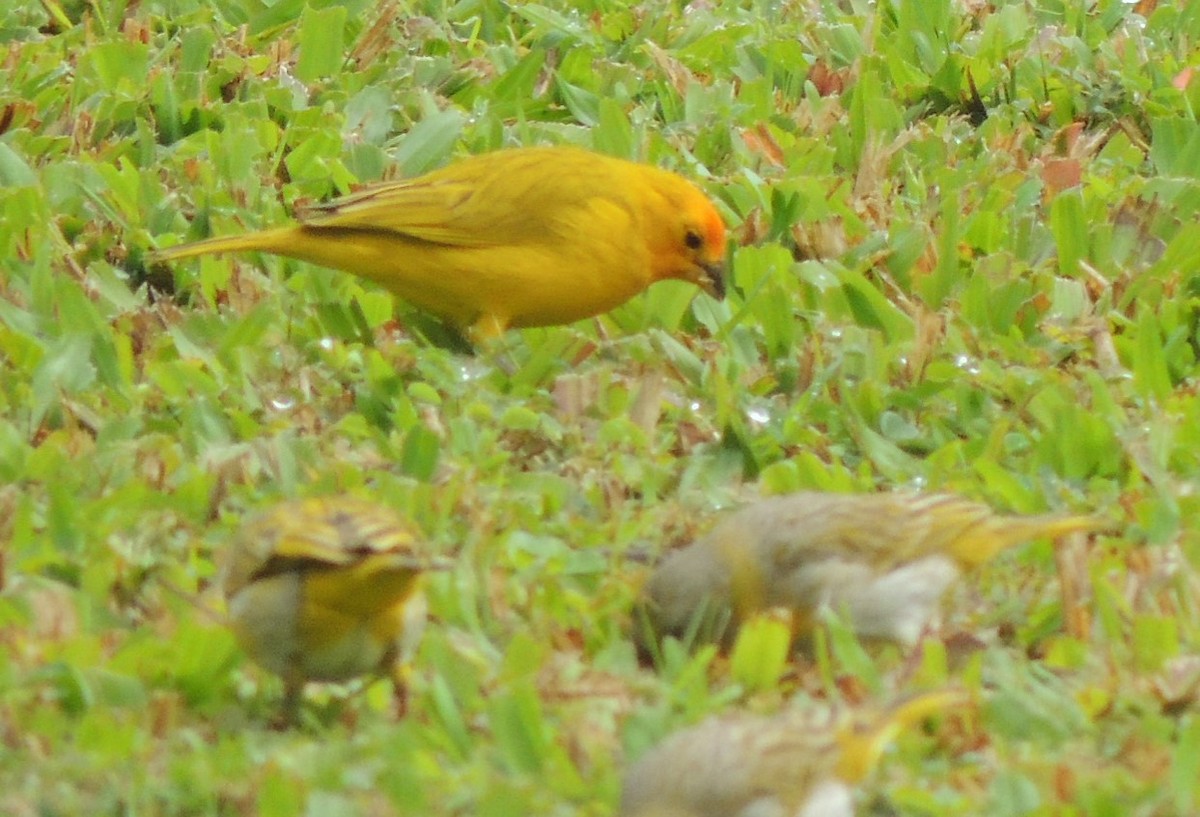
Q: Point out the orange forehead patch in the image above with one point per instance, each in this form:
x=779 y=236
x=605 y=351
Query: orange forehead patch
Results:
x=714 y=228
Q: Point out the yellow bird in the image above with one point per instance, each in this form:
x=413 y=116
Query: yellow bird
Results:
x=793 y=764
x=521 y=237
x=326 y=589
x=881 y=561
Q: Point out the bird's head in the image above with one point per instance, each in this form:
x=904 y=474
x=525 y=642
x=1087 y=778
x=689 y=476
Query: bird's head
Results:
x=687 y=235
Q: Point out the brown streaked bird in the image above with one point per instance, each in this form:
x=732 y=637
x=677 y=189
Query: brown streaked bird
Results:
x=883 y=561
x=792 y=764
x=520 y=237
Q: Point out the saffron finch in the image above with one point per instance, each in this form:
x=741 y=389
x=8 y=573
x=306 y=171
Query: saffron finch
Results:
x=793 y=764
x=326 y=589
x=520 y=237
x=882 y=561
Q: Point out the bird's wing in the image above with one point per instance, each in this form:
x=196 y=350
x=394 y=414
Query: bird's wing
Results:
x=339 y=531
x=320 y=532
x=794 y=531
x=517 y=197
x=881 y=530
x=437 y=212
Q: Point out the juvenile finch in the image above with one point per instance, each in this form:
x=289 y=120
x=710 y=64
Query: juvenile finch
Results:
x=881 y=561
x=521 y=237
x=326 y=589
x=792 y=764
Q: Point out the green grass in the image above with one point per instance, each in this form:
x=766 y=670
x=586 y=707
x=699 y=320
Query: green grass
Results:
x=1006 y=308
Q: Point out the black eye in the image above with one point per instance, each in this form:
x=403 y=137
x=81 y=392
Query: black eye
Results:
x=693 y=240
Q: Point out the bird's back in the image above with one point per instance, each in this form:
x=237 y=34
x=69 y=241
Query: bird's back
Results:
x=736 y=764
x=883 y=530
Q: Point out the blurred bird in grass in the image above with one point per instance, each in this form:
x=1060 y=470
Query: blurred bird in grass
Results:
x=882 y=561
x=798 y=763
x=327 y=589
x=531 y=236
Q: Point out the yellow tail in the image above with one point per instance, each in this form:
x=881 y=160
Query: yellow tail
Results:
x=861 y=746
x=971 y=533
x=272 y=241
x=978 y=545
